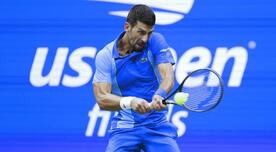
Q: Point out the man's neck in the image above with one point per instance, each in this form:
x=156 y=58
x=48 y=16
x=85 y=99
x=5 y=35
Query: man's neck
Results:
x=123 y=46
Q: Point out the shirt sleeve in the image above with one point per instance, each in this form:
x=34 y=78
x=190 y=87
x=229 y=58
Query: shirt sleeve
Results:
x=160 y=49
x=103 y=66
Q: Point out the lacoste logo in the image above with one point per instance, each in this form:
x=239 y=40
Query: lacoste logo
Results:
x=171 y=12
x=143 y=60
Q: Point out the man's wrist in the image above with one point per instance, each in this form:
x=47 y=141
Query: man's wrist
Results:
x=125 y=102
x=161 y=92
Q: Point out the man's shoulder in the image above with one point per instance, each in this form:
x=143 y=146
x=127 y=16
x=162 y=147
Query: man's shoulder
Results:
x=108 y=48
x=156 y=35
x=106 y=52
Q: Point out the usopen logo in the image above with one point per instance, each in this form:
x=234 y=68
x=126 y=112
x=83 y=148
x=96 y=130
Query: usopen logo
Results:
x=166 y=11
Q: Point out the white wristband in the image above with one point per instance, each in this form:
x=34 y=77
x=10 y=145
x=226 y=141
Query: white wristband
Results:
x=125 y=102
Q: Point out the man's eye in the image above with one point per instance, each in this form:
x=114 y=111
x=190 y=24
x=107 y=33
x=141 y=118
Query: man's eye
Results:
x=142 y=32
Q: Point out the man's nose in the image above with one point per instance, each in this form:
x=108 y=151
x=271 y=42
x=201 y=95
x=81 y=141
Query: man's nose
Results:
x=144 y=38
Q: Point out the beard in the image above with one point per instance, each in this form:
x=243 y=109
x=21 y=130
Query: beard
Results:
x=138 y=46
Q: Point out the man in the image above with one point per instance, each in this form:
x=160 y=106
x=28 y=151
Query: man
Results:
x=132 y=71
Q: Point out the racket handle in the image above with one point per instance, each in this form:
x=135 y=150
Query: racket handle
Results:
x=163 y=101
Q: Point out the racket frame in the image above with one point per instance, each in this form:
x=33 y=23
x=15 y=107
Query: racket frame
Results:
x=179 y=88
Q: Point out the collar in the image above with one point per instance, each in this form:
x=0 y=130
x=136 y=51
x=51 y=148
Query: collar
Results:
x=115 y=51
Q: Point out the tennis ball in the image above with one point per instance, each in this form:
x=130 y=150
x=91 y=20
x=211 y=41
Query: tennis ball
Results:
x=180 y=98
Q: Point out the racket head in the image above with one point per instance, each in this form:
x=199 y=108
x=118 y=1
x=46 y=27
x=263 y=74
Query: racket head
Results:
x=205 y=88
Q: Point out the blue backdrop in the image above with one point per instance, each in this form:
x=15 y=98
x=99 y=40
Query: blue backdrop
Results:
x=47 y=63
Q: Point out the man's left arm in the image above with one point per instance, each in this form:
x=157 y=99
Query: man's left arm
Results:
x=167 y=75
x=164 y=61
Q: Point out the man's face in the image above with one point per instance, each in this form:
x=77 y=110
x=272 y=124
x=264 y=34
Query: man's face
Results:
x=138 y=36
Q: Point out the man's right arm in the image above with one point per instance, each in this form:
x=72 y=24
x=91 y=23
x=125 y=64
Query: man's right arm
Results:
x=102 y=88
x=104 y=98
x=108 y=101
x=102 y=83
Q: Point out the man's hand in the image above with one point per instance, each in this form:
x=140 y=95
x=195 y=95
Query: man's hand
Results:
x=140 y=105
x=157 y=104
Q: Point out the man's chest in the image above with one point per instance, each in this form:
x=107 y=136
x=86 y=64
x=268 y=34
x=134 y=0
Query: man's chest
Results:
x=134 y=69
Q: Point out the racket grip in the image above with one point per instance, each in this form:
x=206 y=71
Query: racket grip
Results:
x=163 y=101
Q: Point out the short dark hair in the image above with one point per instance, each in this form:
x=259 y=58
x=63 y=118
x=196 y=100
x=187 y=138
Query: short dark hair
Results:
x=141 y=13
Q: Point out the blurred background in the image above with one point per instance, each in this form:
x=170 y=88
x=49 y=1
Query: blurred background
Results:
x=47 y=54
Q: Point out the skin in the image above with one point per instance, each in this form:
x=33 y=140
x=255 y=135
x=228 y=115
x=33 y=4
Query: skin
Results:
x=134 y=40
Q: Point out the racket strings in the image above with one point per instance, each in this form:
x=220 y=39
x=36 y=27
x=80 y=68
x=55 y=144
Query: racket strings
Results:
x=201 y=97
x=205 y=95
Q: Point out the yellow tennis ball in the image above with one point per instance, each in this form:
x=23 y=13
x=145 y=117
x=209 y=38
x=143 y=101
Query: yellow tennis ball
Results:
x=180 y=98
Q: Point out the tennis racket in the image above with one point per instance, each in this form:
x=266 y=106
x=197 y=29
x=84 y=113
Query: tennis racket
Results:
x=205 y=88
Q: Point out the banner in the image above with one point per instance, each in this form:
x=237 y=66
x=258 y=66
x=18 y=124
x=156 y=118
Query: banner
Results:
x=48 y=51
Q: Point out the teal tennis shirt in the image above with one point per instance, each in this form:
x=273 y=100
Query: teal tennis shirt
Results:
x=134 y=74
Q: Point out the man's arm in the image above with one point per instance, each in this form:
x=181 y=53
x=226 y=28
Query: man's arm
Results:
x=104 y=98
x=164 y=60
x=108 y=101
x=166 y=72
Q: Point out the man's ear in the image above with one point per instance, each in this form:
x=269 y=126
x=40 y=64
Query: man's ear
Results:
x=127 y=27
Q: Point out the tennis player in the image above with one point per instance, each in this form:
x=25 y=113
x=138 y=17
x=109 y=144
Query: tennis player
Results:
x=132 y=71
